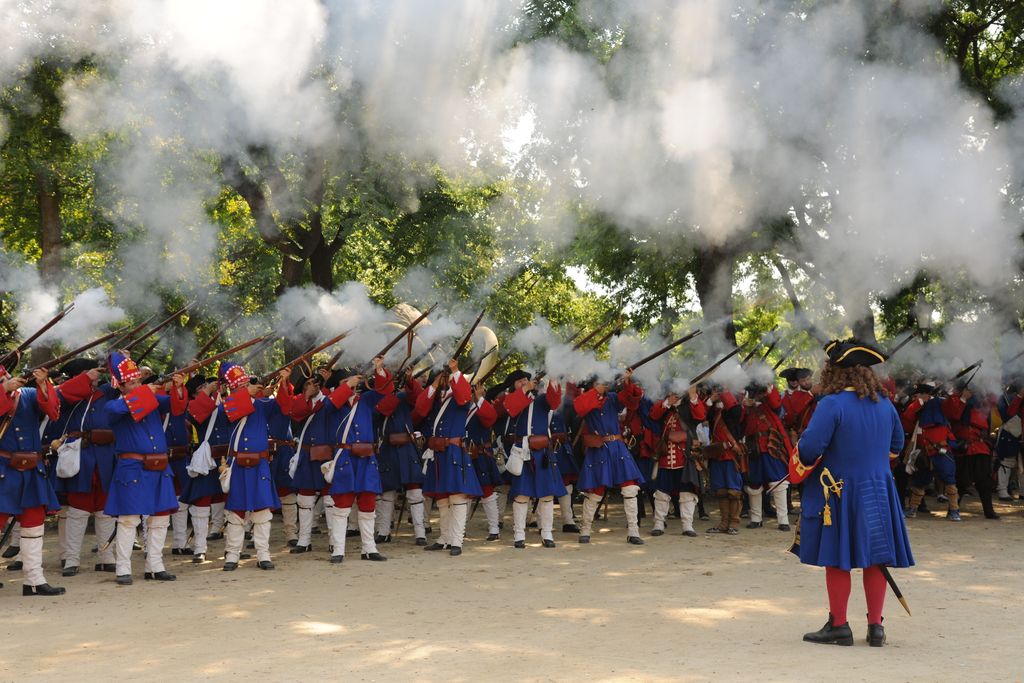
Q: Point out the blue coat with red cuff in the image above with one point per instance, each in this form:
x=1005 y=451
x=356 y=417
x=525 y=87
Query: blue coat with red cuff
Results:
x=252 y=488
x=85 y=410
x=610 y=464
x=24 y=410
x=137 y=422
x=399 y=464
x=451 y=471
x=864 y=525
x=355 y=473
x=540 y=477
x=201 y=410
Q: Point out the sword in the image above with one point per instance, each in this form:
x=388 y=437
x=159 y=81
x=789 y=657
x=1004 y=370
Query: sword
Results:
x=895 y=589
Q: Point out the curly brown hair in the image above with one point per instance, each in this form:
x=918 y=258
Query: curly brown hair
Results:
x=863 y=380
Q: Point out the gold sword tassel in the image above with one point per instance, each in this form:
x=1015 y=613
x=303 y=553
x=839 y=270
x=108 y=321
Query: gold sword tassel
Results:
x=829 y=486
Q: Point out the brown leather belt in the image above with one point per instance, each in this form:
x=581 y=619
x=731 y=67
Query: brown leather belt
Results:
x=475 y=450
x=399 y=439
x=94 y=437
x=360 y=449
x=321 y=452
x=440 y=443
x=251 y=459
x=22 y=461
x=177 y=452
x=153 y=462
x=598 y=440
x=275 y=444
x=538 y=442
x=219 y=452
x=559 y=438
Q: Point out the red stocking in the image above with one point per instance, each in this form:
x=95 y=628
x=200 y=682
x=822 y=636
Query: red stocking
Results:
x=874 y=593
x=838 y=583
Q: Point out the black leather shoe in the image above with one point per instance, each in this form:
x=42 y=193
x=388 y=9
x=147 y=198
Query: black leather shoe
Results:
x=492 y=537
x=783 y=527
x=876 y=635
x=991 y=515
x=293 y=542
x=519 y=544
x=218 y=536
x=351 y=533
x=634 y=540
x=421 y=541
x=42 y=589
x=69 y=571
x=657 y=532
x=265 y=565
x=373 y=557
x=382 y=539
x=337 y=559
x=124 y=579
x=14 y=566
x=299 y=549
x=570 y=529
x=105 y=568
x=547 y=543
x=13 y=550
x=584 y=539
x=455 y=551
x=755 y=525
x=831 y=635
x=230 y=566
x=244 y=556
x=429 y=529
x=690 y=533
x=160 y=576
x=199 y=558
x=181 y=551
x=436 y=546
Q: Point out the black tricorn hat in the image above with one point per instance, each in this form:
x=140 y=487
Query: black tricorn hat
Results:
x=924 y=388
x=513 y=377
x=494 y=392
x=852 y=353
x=795 y=374
x=76 y=366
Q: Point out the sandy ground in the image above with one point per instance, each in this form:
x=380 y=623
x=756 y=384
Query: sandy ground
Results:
x=675 y=609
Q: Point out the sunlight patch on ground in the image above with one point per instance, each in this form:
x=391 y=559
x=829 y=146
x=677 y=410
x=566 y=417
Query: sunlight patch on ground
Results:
x=724 y=609
x=588 y=615
x=317 y=628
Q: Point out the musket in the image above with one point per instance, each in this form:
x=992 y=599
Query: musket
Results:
x=213 y=340
x=416 y=361
x=132 y=332
x=975 y=367
x=714 y=366
x=258 y=349
x=13 y=355
x=771 y=347
x=759 y=343
x=308 y=354
x=665 y=349
x=7 y=531
x=188 y=369
x=149 y=349
x=582 y=342
x=408 y=328
x=600 y=342
x=170 y=319
x=782 y=359
x=903 y=343
x=501 y=360
x=54 y=362
x=480 y=362
x=465 y=340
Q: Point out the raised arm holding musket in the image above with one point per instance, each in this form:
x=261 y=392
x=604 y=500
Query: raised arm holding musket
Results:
x=25 y=490
x=143 y=482
x=539 y=478
x=443 y=409
x=678 y=474
x=768 y=449
x=607 y=462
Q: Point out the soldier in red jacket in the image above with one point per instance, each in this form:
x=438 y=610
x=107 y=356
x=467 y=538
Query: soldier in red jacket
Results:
x=968 y=415
x=677 y=473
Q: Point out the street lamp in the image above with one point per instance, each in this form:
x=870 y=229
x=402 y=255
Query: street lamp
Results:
x=923 y=310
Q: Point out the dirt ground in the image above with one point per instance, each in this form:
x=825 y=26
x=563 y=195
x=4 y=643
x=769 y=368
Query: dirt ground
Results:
x=675 y=609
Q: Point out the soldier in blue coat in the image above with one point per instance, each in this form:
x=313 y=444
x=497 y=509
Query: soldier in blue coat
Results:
x=83 y=398
x=25 y=490
x=201 y=491
x=442 y=412
x=540 y=477
x=607 y=461
x=143 y=483
x=251 y=487
x=851 y=514
x=400 y=461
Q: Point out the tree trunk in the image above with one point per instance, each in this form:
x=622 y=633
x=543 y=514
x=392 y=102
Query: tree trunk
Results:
x=714 y=281
x=50 y=242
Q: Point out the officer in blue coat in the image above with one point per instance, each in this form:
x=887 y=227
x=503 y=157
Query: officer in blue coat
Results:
x=850 y=511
